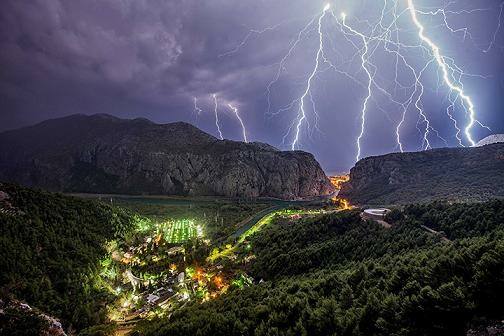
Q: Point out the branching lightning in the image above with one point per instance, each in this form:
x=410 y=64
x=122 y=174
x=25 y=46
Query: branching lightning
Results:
x=216 y=107
x=499 y=23
x=446 y=69
x=415 y=56
x=364 y=64
x=307 y=91
x=250 y=33
x=197 y=109
x=281 y=64
x=237 y=114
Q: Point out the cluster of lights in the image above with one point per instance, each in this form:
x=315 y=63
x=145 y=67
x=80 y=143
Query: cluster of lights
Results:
x=182 y=230
x=338 y=180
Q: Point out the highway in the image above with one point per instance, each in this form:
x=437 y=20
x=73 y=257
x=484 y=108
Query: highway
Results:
x=250 y=222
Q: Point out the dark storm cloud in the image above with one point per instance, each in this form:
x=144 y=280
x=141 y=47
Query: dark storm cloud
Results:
x=145 y=57
x=125 y=44
x=150 y=58
x=153 y=51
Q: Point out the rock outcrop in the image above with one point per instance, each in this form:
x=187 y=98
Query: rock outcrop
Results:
x=491 y=139
x=105 y=154
x=453 y=174
x=16 y=316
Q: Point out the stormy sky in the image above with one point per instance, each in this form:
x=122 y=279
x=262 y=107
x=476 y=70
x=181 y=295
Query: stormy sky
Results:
x=152 y=58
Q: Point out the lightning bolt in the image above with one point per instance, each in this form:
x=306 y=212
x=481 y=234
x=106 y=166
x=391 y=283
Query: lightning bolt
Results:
x=445 y=69
x=449 y=111
x=364 y=65
x=499 y=23
x=237 y=114
x=216 y=107
x=281 y=64
x=307 y=91
x=446 y=65
x=197 y=109
x=247 y=37
x=406 y=90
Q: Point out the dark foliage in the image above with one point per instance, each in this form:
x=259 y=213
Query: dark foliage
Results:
x=50 y=252
x=288 y=248
x=343 y=276
x=458 y=220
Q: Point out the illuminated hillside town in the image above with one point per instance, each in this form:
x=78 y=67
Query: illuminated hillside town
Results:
x=163 y=266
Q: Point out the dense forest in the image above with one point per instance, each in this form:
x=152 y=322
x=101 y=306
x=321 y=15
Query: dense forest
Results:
x=339 y=275
x=50 y=249
x=329 y=274
x=222 y=216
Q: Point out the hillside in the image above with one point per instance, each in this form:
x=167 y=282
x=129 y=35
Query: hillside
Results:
x=491 y=139
x=455 y=174
x=105 y=154
x=306 y=272
x=50 y=251
x=336 y=274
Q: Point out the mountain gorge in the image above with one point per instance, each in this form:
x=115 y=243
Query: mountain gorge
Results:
x=105 y=154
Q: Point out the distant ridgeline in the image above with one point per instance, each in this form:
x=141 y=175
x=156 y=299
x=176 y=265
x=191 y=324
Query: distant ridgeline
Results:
x=454 y=174
x=105 y=154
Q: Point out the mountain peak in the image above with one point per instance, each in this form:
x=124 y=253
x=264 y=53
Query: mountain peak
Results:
x=105 y=154
x=491 y=139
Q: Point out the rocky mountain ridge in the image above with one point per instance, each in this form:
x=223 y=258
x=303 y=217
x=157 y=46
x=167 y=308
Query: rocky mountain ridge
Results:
x=105 y=154
x=453 y=174
x=491 y=139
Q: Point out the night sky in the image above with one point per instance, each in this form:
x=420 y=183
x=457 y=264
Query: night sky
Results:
x=152 y=58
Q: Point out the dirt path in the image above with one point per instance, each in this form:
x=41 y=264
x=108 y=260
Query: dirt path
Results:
x=379 y=221
x=437 y=233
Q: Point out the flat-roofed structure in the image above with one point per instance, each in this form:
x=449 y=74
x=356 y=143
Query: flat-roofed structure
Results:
x=376 y=213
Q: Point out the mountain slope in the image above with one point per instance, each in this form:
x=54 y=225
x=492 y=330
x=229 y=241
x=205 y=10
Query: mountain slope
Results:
x=458 y=174
x=491 y=139
x=50 y=250
x=105 y=154
x=337 y=274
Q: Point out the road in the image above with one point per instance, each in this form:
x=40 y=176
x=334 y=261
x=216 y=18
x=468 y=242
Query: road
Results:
x=437 y=233
x=239 y=235
x=365 y=216
x=250 y=222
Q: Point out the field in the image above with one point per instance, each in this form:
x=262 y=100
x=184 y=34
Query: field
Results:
x=217 y=217
x=180 y=231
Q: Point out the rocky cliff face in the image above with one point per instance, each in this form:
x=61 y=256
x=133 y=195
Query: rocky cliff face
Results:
x=104 y=154
x=459 y=174
x=491 y=139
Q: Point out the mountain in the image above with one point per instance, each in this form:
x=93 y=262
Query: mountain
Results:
x=105 y=154
x=491 y=139
x=455 y=174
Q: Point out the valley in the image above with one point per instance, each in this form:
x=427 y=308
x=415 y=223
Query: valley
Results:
x=222 y=237
x=182 y=265
x=251 y=168
x=176 y=255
